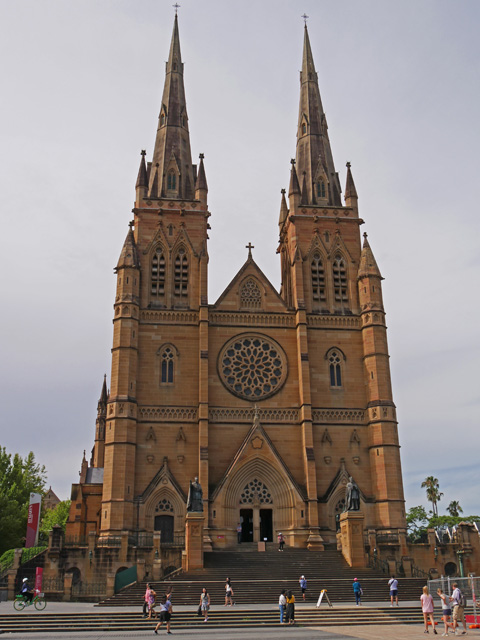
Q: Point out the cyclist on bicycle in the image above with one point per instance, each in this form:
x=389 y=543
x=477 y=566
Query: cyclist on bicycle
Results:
x=25 y=591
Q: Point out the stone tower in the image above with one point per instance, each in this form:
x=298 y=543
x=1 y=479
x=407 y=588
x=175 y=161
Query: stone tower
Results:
x=272 y=398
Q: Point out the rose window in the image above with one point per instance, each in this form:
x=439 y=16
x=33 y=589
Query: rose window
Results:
x=164 y=505
x=255 y=491
x=252 y=366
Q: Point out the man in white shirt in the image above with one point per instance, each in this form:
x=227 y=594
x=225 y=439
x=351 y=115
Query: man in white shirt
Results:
x=393 y=584
x=458 y=610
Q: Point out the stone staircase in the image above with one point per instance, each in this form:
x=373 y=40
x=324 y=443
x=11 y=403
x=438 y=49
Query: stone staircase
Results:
x=233 y=617
x=258 y=578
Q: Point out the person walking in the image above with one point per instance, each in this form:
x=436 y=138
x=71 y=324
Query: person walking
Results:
x=290 y=611
x=228 y=593
x=165 y=614
x=282 y=603
x=145 y=600
x=458 y=603
x=357 y=591
x=281 y=541
x=393 y=584
x=427 y=609
x=152 y=596
x=303 y=586
x=446 y=612
x=205 y=603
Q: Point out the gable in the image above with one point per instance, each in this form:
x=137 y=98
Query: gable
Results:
x=250 y=290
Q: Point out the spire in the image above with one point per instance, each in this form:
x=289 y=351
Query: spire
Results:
x=283 y=211
x=368 y=266
x=172 y=145
x=350 y=191
x=104 y=394
x=142 y=172
x=314 y=155
x=294 y=184
x=201 y=178
x=129 y=255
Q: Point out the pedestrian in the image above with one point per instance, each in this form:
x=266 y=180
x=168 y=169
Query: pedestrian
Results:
x=145 y=600
x=165 y=614
x=152 y=596
x=458 y=601
x=303 y=586
x=228 y=593
x=239 y=533
x=290 y=611
x=393 y=584
x=282 y=603
x=446 y=612
x=281 y=541
x=427 y=609
x=357 y=590
x=205 y=603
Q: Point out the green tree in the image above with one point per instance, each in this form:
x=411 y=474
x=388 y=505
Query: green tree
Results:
x=417 y=519
x=454 y=509
x=18 y=478
x=56 y=516
x=433 y=492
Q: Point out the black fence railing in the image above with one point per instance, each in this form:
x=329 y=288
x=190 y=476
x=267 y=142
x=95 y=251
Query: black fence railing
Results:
x=89 y=589
x=76 y=541
x=177 y=541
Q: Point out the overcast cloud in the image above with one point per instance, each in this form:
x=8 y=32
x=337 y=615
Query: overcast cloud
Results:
x=82 y=83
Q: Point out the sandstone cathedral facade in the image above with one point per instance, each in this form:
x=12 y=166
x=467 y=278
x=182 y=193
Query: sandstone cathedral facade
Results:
x=273 y=398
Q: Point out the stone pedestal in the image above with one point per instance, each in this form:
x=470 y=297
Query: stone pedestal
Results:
x=351 y=529
x=193 y=541
x=315 y=541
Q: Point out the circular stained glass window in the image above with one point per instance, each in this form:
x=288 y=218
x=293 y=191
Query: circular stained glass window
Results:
x=252 y=366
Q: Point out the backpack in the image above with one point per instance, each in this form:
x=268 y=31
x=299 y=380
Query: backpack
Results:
x=463 y=600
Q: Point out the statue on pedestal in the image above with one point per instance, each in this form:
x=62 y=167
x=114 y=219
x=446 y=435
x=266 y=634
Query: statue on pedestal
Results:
x=352 y=496
x=195 y=497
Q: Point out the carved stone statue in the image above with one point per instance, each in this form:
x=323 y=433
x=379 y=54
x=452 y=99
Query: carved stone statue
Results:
x=352 y=496
x=195 y=496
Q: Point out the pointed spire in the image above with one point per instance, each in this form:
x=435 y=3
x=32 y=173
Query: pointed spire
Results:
x=283 y=210
x=294 y=184
x=350 y=190
x=201 y=182
x=368 y=266
x=104 y=394
x=129 y=254
x=314 y=155
x=172 y=145
x=142 y=172
x=304 y=199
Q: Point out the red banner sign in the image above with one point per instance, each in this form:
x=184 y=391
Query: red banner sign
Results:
x=33 y=520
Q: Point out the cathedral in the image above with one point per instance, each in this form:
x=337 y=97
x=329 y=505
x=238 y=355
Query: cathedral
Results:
x=272 y=396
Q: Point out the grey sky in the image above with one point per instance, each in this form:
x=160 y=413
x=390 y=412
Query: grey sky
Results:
x=82 y=82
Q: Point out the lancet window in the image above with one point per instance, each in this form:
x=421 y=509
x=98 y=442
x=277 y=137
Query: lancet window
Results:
x=340 y=279
x=171 y=181
x=335 y=360
x=157 y=274
x=167 y=365
x=318 y=278
x=181 y=274
x=321 y=191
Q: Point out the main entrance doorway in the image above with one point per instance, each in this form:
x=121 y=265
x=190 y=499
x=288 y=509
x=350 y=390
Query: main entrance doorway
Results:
x=266 y=525
x=164 y=524
x=246 y=520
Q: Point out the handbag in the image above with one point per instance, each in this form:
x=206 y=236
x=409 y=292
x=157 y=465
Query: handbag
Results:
x=199 y=610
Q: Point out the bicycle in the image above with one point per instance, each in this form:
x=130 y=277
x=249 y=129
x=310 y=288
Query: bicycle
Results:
x=38 y=601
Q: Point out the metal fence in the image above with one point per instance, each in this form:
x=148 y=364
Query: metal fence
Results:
x=76 y=541
x=470 y=587
x=89 y=589
x=52 y=584
x=178 y=541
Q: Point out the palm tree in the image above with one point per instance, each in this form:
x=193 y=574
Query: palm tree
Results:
x=454 y=508
x=433 y=493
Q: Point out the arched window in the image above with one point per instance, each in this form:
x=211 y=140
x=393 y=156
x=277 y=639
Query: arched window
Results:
x=181 y=274
x=340 y=279
x=335 y=360
x=250 y=295
x=304 y=128
x=171 y=181
x=157 y=273
x=318 y=278
x=167 y=365
x=321 y=189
